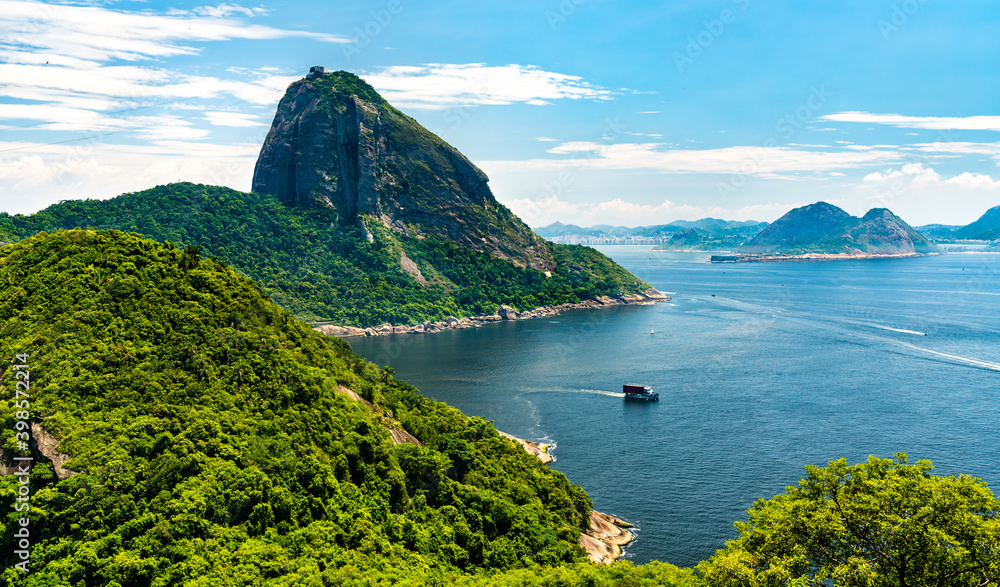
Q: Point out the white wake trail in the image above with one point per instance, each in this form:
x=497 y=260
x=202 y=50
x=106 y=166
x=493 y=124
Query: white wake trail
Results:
x=903 y=330
x=966 y=360
x=602 y=392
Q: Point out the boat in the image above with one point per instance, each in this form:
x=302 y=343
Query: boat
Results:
x=643 y=392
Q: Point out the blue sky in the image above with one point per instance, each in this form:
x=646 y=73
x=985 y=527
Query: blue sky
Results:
x=582 y=111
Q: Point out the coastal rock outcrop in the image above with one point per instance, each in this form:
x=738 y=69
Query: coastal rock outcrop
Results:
x=537 y=449
x=335 y=142
x=649 y=296
x=507 y=313
x=605 y=534
x=604 y=538
x=43 y=449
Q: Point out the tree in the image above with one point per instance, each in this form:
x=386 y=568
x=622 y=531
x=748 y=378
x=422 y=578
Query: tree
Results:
x=190 y=257
x=884 y=522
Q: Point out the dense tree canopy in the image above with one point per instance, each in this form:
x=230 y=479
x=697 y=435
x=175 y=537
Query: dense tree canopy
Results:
x=215 y=442
x=322 y=270
x=885 y=522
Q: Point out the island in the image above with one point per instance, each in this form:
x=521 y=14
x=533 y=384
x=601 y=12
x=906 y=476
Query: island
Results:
x=822 y=231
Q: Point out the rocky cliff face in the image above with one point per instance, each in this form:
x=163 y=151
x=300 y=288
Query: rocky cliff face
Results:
x=336 y=142
x=825 y=228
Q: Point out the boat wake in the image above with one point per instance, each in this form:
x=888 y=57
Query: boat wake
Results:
x=601 y=392
x=963 y=360
x=903 y=330
x=572 y=390
x=834 y=327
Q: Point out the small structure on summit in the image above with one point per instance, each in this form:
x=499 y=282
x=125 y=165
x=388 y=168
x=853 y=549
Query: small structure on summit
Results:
x=315 y=71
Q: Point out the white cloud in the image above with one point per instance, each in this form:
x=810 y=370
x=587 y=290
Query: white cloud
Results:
x=914 y=172
x=619 y=212
x=546 y=140
x=975 y=180
x=922 y=196
x=171 y=129
x=74 y=78
x=870 y=147
x=64 y=34
x=439 y=86
x=43 y=175
x=128 y=87
x=224 y=10
x=73 y=69
x=925 y=122
x=761 y=161
x=578 y=147
x=960 y=148
x=233 y=119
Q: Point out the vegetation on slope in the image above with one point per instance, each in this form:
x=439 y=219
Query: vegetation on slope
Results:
x=322 y=271
x=884 y=522
x=215 y=445
x=986 y=227
x=826 y=229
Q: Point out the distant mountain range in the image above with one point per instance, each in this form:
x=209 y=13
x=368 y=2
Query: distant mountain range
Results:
x=704 y=234
x=826 y=229
x=816 y=228
x=987 y=228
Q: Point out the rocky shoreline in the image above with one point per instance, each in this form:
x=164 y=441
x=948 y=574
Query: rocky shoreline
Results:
x=504 y=313
x=604 y=538
x=748 y=258
x=537 y=449
x=605 y=534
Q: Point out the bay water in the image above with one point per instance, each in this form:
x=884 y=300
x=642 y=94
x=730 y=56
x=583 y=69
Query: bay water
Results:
x=761 y=368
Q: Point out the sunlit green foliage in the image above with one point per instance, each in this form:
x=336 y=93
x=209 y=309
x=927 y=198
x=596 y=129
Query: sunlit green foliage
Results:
x=321 y=270
x=214 y=444
x=885 y=522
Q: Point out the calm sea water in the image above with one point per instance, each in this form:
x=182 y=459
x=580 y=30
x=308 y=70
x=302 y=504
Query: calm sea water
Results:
x=761 y=369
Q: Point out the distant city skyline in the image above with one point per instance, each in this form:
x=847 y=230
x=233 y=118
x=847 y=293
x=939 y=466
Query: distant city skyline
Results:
x=580 y=111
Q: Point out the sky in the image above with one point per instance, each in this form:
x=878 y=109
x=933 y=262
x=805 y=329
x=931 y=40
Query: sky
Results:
x=580 y=111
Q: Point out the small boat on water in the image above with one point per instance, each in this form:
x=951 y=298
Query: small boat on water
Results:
x=643 y=392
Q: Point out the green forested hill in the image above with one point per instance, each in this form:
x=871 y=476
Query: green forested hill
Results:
x=215 y=444
x=986 y=227
x=324 y=271
x=826 y=229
